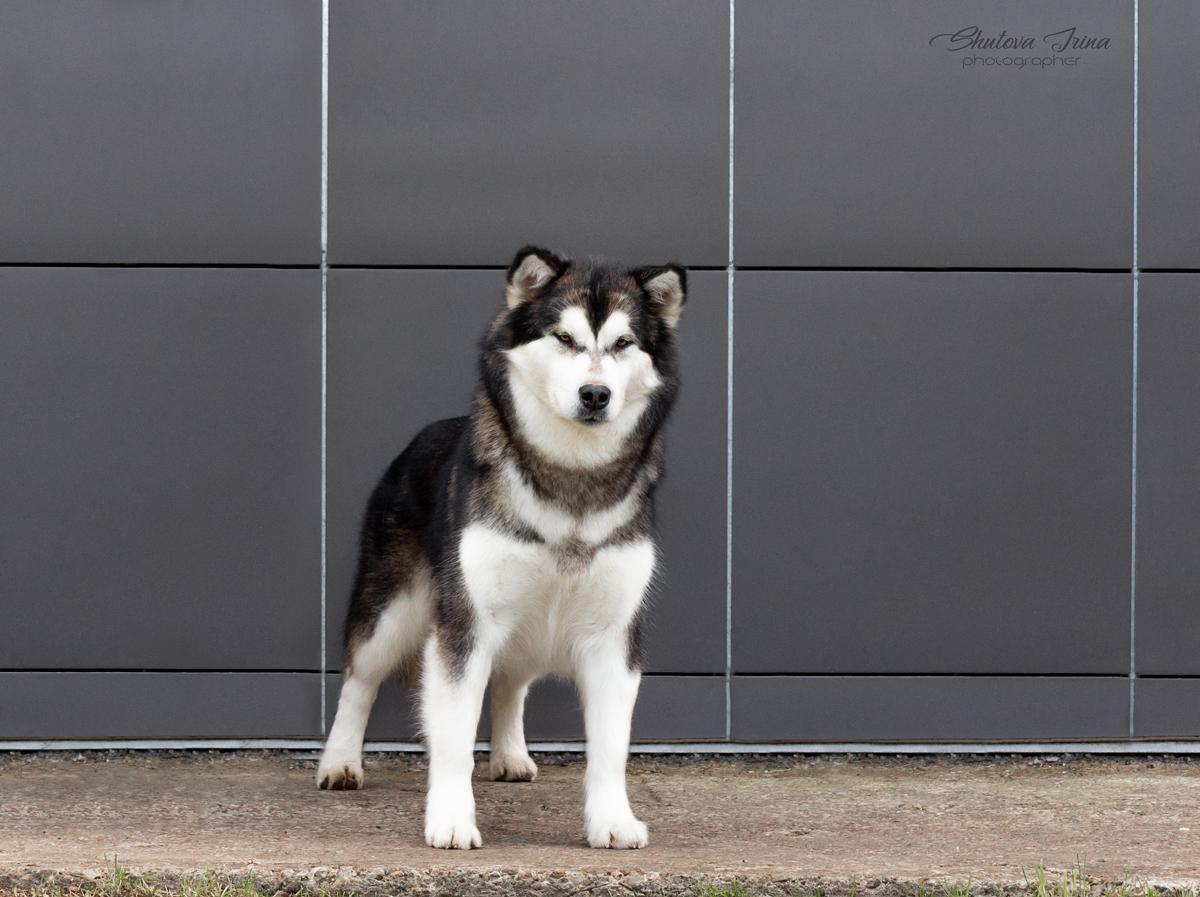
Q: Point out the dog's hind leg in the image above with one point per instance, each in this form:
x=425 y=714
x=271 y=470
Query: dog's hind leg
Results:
x=380 y=641
x=509 y=759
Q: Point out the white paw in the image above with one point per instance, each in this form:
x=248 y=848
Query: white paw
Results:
x=512 y=768
x=621 y=833
x=339 y=772
x=452 y=831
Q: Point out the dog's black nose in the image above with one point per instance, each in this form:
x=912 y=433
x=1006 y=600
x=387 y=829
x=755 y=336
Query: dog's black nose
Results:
x=594 y=396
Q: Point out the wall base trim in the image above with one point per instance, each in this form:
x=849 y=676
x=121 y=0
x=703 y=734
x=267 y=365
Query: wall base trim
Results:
x=700 y=747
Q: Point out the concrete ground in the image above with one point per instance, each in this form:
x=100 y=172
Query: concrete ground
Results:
x=783 y=823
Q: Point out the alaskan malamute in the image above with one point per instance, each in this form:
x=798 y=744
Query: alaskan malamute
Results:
x=517 y=542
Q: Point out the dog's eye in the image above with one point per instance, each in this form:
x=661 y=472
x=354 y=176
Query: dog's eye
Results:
x=622 y=343
x=564 y=338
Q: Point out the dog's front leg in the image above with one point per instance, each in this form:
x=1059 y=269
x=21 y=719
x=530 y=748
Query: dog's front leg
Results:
x=608 y=688
x=451 y=700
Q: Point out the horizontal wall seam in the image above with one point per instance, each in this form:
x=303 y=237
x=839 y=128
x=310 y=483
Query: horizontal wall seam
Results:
x=233 y=266
x=258 y=671
x=789 y=674
x=794 y=674
x=241 y=266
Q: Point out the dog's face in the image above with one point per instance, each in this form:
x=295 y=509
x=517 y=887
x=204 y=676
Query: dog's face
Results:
x=587 y=339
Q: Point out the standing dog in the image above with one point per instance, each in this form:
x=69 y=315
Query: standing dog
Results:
x=517 y=542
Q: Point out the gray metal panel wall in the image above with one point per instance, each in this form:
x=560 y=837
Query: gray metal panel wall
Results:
x=168 y=133
x=932 y=449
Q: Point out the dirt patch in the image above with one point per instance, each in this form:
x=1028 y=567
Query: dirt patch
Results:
x=878 y=825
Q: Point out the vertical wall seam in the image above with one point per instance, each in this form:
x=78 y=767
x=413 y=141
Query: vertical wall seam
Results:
x=1134 y=403
x=324 y=326
x=729 y=414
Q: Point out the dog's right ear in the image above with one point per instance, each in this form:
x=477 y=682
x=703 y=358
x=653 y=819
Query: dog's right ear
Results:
x=531 y=269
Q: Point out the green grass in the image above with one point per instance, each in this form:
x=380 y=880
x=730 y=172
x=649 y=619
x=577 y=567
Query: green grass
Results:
x=1074 y=883
x=120 y=881
x=735 y=889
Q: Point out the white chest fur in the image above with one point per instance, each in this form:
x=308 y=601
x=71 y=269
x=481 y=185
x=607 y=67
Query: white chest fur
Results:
x=539 y=617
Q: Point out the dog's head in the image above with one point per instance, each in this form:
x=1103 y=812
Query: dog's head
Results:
x=591 y=343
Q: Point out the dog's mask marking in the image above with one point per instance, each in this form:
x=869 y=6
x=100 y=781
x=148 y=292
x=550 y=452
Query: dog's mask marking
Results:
x=571 y=355
x=585 y=349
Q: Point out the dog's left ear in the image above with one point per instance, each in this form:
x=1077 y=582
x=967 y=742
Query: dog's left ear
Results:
x=531 y=269
x=666 y=285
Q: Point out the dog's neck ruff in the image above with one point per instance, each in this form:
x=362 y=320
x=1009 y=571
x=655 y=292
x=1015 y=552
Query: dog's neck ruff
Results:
x=500 y=442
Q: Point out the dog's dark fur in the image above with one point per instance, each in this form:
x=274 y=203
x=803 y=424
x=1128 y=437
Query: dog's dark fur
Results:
x=446 y=474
